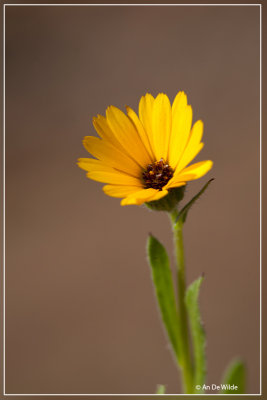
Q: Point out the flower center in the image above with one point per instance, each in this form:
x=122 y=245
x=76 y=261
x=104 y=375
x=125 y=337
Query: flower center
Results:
x=157 y=175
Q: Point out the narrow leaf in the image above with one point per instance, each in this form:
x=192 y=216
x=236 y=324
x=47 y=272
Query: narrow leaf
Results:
x=197 y=331
x=162 y=278
x=235 y=375
x=161 y=389
x=183 y=213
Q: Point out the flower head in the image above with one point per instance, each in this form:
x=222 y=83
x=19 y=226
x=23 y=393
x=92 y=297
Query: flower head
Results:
x=142 y=157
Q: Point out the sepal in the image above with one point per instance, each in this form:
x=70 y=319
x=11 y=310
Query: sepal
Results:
x=183 y=213
x=168 y=202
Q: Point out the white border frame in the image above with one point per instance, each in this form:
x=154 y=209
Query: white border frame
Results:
x=4 y=302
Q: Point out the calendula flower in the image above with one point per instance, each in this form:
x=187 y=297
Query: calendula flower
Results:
x=142 y=157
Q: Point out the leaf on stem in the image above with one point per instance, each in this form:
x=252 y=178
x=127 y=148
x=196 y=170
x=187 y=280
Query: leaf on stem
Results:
x=235 y=375
x=183 y=213
x=161 y=389
x=162 y=278
x=197 y=331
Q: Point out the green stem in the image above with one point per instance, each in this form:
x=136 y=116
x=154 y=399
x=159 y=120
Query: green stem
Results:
x=186 y=363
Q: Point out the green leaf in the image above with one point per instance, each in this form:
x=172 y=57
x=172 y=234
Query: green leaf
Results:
x=183 y=213
x=162 y=278
x=161 y=389
x=235 y=375
x=197 y=331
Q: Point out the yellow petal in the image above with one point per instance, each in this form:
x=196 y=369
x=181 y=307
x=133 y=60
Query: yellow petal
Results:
x=193 y=146
x=179 y=102
x=127 y=135
x=193 y=172
x=140 y=129
x=174 y=182
x=90 y=164
x=159 y=195
x=139 y=197
x=144 y=196
x=114 y=178
x=104 y=131
x=198 y=169
x=181 y=125
x=188 y=157
x=161 y=125
x=111 y=156
x=120 y=191
x=145 y=116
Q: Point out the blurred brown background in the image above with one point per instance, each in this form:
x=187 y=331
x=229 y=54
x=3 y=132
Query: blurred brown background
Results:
x=81 y=315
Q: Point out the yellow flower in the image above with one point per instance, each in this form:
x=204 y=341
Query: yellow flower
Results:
x=142 y=157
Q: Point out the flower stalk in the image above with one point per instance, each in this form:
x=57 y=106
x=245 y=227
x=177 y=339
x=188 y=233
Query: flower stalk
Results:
x=186 y=362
